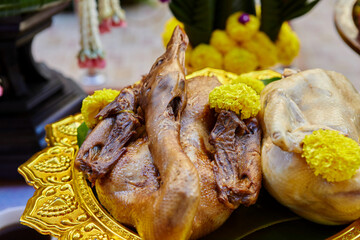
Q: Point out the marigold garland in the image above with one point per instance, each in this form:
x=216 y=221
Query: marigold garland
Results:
x=287 y=44
x=205 y=55
x=239 y=61
x=241 y=31
x=221 y=41
x=110 y=14
x=264 y=49
x=245 y=35
x=91 y=54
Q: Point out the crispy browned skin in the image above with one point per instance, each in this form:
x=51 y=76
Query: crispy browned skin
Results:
x=170 y=211
x=133 y=179
x=164 y=184
x=105 y=144
x=197 y=121
x=237 y=163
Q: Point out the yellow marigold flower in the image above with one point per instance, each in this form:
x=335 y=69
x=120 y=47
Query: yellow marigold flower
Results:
x=241 y=31
x=264 y=49
x=239 y=61
x=188 y=53
x=221 y=41
x=255 y=84
x=92 y=105
x=331 y=155
x=287 y=44
x=238 y=98
x=169 y=28
x=205 y=55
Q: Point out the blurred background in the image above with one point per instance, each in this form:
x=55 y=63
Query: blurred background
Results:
x=131 y=51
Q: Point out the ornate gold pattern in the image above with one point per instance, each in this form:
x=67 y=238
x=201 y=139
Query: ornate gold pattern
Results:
x=69 y=129
x=58 y=206
x=224 y=77
x=64 y=204
x=349 y=233
x=54 y=164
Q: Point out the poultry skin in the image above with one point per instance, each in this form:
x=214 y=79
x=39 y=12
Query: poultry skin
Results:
x=180 y=168
x=294 y=107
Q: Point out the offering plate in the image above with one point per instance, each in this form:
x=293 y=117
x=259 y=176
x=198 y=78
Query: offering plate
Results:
x=64 y=204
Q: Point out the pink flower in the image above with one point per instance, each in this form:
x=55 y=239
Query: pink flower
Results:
x=92 y=63
x=105 y=25
x=84 y=64
x=99 y=62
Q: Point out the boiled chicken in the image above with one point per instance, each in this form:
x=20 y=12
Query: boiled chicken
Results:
x=179 y=169
x=294 y=107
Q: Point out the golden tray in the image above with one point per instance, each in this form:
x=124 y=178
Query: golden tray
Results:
x=64 y=204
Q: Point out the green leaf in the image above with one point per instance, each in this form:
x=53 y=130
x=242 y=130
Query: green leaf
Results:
x=271 y=18
x=301 y=11
x=202 y=17
x=247 y=6
x=275 y=12
x=292 y=5
x=197 y=16
x=82 y=132
x=180 y=13
x=269 y=80
x=196 y=35
x=223 y=10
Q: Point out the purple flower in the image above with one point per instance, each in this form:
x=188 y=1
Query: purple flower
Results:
x=165 y=1
x=244 y=18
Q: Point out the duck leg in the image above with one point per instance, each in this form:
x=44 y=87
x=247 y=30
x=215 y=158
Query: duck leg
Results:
x=106 y=143
x=237 y=164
